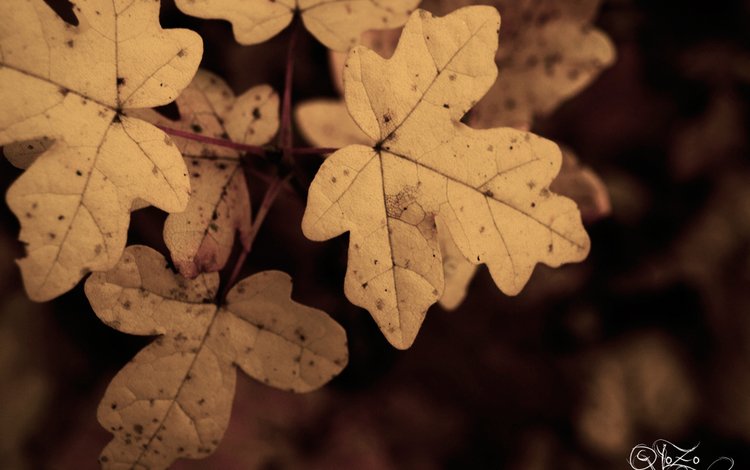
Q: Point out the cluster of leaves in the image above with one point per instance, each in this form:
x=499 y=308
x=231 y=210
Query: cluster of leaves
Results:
x=424 y=196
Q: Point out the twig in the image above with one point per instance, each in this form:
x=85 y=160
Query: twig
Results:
x=285 y=133
x=265 y=206
x=251 y=149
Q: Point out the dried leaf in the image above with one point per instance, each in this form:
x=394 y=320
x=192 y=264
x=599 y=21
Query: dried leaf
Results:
x=489 y=187
x=69 y=83
x=201 y=238
x=581 y=184
x=326 y=123
x=629 y=381
x=337 y=24
x=173 y=400
x=548 y=53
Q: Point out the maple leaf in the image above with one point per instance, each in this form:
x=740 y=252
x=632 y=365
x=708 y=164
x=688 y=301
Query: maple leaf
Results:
x=326 y=123
x=338 y=24
x=69 y=84
x=173 y=400
x=489 y=187
x=548 y=53
x=201 y=238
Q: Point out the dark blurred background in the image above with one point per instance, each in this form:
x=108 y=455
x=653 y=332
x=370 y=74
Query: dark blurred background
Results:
x=648 y=339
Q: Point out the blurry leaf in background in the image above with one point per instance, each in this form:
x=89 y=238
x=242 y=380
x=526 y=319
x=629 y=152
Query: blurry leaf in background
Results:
x=174 y=399
x=326 y=123
x=548 y=53
x=639 y=383
x=200 y=239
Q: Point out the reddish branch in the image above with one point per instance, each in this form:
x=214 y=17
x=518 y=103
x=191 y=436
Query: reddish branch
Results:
x=251 y=149
x=285 y=133
x=265 y=206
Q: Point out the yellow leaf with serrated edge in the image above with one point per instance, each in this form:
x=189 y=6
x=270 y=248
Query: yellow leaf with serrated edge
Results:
x=201 y=238
x=174 y=399
x=326 y=123
x=69 y=84
x=338 y=24
x=548 y=53
x=489 y=188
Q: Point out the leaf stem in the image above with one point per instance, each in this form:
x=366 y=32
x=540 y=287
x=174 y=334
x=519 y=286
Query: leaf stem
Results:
x=251 y=149
x=285 y=133
x=275 y=187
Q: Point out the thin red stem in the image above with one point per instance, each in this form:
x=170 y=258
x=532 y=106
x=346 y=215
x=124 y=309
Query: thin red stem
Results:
x=285 y=133
x=265 y=206
x=251 y=149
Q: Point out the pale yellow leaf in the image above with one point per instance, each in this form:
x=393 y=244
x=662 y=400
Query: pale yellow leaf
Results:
x=200 y=239
x=69 y=84
x=490 y=188
x=174 y=399
x=548 y=53
x=338 y=24
x=326 y=123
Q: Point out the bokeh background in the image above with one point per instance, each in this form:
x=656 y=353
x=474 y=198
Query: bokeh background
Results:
x=648 y=339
